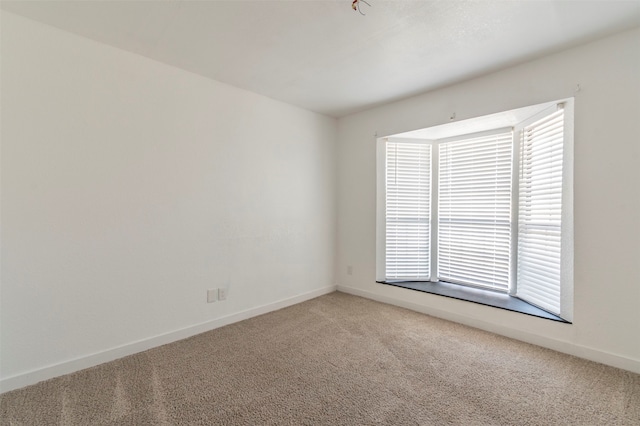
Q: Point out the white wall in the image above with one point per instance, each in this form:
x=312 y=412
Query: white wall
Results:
x=606 y=324
x=130 y=187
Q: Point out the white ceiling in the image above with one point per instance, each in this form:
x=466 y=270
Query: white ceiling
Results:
x=325 y=57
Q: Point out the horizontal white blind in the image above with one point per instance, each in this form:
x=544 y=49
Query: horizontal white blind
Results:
x=408 y=208
x=474 y=212
x=540 y=209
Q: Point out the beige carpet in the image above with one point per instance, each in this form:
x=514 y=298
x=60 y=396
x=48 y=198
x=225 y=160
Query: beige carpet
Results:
x=336 y=360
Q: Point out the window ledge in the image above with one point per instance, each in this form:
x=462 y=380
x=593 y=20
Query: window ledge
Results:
x=477 y=295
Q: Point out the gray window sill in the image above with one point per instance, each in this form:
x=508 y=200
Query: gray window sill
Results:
x=477 y=295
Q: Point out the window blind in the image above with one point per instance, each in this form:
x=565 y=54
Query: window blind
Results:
x=474 y=212
x=408 y=210
x=540 y=209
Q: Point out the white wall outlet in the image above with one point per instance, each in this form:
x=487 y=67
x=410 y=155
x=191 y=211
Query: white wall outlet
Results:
x=349 y=270
x=222 y=293
x=212 y=295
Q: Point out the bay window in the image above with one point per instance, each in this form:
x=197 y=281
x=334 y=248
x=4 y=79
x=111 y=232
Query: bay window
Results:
x=484 y=203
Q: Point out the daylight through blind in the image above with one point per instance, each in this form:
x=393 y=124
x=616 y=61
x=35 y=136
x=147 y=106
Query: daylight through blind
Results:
x=474 y=212
x=408 y=207
x=540 y=210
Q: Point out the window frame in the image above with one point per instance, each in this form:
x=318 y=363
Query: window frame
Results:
x=567 y=250
x=465 y=139
x=566 y=230
x=397 y=214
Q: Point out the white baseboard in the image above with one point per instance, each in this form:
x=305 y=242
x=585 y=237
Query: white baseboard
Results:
x=70 y=366
x=580 y=351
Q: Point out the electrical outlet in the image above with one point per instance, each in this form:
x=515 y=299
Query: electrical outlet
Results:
x=212 y=295
x=222 y=293
x=349 y=270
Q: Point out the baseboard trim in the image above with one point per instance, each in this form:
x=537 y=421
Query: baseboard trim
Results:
x=80 y=363
x=569 y=348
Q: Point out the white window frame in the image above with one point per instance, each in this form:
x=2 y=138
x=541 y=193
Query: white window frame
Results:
x=566 y=233
x=400 y=210
x=466 y=138
x=567 y=252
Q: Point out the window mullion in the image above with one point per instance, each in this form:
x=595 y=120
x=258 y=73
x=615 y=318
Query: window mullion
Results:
x=435 y=182
x=515 y=195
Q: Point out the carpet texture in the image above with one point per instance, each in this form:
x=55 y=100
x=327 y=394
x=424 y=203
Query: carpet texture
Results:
x=336 y=360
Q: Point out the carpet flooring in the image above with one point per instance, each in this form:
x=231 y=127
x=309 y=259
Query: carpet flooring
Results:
x=336 y=360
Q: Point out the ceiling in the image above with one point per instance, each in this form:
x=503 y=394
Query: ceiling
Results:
x=325 y=57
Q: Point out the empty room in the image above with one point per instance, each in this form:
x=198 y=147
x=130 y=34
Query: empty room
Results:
x=331 y=212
